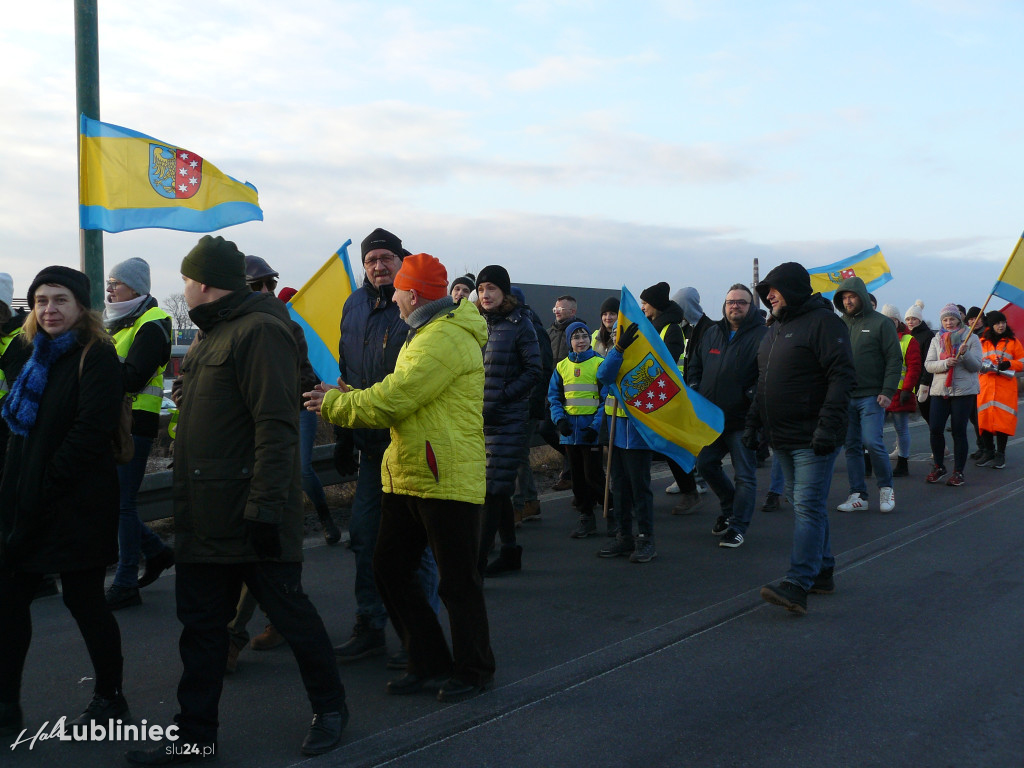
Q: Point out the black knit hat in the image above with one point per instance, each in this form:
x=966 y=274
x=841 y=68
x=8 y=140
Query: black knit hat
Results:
x=216 y=262
x=656 y=296
x=993 y=317
x=468 y=280
x=611 y=304
x=497 y=275
x=381 y=238
x=75 y=281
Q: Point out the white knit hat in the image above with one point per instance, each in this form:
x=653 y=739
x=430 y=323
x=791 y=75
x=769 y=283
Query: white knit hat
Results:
x=6 y=289
x=915 y=310
x=891 y=311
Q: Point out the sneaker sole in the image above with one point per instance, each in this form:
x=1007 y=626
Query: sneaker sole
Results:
x=609 y=555
x=822 y=591
x=642 y=559
x=731 y=544
x=769 y=596
x=450 y=699
x=588 y=534
x=343 y=658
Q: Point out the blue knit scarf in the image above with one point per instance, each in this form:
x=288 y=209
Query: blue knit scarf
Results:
x=21 y=406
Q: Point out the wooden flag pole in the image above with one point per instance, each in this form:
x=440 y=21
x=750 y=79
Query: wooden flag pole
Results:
x=611 y=447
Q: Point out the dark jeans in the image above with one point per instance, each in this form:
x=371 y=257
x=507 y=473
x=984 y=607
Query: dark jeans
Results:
x=960 y=410
x=83 y=596
x=587 y=476
x=207 y=595
x=452 y=529
x=631 y=484
x=498 y=517
x=133 y=535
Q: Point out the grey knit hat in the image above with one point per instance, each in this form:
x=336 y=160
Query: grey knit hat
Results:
x=134 y=273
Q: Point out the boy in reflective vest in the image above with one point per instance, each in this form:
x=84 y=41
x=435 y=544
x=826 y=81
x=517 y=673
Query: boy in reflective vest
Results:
x=575 y=397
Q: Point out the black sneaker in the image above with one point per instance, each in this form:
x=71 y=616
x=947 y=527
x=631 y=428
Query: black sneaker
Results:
x=721 y=525
x=620 y=545
x=100 y=710
x=119 y=597
x=772 y=502
x=456 y=690
x=155 y=566
x=998 y=460
x=790 y=596
x=365 y=641
x=824 y=583
x=731 y=539
x=985 y=460
x=643 y=551
x=978 y=453
x=587 y=526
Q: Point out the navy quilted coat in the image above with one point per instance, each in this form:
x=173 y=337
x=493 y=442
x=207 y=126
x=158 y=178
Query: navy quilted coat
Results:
x=512 y=366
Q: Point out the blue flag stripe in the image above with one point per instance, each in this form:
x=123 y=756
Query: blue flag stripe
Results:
x=847 y=262
x=183 y=219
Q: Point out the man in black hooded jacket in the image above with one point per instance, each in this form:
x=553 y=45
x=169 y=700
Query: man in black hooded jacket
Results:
x=805 y=376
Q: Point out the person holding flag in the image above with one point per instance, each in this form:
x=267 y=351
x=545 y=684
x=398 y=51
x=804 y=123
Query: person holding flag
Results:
x=1003 y=356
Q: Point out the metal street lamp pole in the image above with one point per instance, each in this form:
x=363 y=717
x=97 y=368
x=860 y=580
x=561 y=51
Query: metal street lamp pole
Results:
x=87 y=88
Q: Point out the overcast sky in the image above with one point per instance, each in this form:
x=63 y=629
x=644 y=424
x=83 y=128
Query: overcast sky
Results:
x=587 y=143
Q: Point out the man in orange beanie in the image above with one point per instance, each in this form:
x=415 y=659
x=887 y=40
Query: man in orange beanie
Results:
x=433 y=480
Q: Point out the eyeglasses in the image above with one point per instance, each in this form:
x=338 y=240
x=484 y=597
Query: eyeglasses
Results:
x=269 y=282
x=379 y=260
x=736 y=302
x=112 y=284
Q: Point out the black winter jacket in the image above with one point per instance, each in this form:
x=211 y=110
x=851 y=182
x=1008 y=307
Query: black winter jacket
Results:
x=512 y=368
x=923 y=336
x=539 y=394
x=805 y=366
x=724 y=370
x=59 y=492
x=372 y=335
x=670 y=318
x=150 y=349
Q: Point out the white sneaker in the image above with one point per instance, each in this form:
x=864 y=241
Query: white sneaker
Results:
x=855 y=504
x=674 y=488
x=886 y=500
x=702 y=486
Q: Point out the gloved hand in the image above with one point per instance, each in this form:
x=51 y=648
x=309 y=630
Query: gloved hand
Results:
x=564 y=428
x=265 y=538
x=823 y=443
x=749 y=439
x=626 y=337
x=906 y=396
x=589 y=435
x=1004 y=365
x=346 y=460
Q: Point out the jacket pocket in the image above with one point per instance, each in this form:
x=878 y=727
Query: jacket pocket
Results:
x=218 y=492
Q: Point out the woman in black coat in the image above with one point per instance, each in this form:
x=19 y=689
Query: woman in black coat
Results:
x=512 y=366
x=58 y=490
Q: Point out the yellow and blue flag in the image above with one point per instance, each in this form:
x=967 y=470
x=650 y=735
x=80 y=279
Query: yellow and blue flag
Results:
x=868 y=265
x=317 y=306
x=128 y=180
x=673 y=419
x=1010 y=284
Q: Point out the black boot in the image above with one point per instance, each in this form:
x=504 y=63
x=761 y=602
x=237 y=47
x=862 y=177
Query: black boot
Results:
x=331 y=533
x=509 y=559
x=11 y=720
x=365 y=641
x=901 y=469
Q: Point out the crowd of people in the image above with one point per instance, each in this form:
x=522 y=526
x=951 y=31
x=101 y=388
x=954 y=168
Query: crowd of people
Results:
x=442 y=385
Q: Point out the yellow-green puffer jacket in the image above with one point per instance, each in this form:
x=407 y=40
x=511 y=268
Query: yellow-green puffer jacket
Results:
x=433 y=403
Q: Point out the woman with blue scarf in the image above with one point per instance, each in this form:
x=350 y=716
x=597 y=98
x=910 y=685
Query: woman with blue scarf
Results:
x=954 y=357
x=58 y=490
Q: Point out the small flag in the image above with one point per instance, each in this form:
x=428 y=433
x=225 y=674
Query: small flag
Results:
x=317 y=306
x=1010 y=284
x=128 y=180
x=868 y=265
x=673 y=419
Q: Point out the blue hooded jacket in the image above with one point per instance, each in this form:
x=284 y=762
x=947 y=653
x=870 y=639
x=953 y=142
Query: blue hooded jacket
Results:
x=556 y=396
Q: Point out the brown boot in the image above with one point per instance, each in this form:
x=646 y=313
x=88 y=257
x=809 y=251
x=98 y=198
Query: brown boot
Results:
x=531 y=510
x=270 y=638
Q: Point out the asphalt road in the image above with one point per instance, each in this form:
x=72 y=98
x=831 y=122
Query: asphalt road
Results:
x=915 y=661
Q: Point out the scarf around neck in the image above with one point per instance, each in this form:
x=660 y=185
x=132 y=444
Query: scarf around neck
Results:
x=21 y=406
x=949 y=346
x=118 y=310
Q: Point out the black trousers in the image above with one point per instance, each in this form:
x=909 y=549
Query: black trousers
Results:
x=83 y=596
x=498 y=516
x=207 y=596
x=452 y=529
x=587 y=476
x=686 y=481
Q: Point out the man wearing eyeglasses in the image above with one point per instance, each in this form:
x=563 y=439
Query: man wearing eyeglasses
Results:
x=724 y=370
x=372 y=334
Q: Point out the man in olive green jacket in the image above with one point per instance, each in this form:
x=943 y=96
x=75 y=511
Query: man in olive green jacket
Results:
x=238 y=509
x=433 y=477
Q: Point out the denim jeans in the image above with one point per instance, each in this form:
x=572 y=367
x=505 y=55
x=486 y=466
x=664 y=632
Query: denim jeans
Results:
x=808 y=482
x=777 y=481
x=631 y=488
x=526 y=486
x=133 y=535
x=737 y=501
x=311 y=485
x=901 y=423
x=865 y=431
x=363 y=528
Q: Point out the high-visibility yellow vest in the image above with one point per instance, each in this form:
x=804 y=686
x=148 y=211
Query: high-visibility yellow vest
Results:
x=579 y=382
x=904 y=343
x=5 y=342
x=152 y=394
